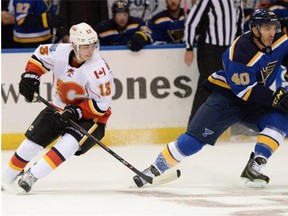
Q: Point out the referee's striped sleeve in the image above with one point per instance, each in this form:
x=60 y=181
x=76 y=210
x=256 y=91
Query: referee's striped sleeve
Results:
x=192 y=21
x=222 y=21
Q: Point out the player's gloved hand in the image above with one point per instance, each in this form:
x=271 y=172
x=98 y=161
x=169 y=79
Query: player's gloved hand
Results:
x=280 y=100
x=71 y=111
x=28 y=85
x=137 y=41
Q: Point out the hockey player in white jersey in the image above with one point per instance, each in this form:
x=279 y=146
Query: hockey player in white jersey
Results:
x=84 y=86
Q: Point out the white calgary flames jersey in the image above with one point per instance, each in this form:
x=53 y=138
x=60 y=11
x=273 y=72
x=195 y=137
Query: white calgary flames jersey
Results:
x=89 y=85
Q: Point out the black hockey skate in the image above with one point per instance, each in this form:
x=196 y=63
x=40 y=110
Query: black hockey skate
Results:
x=26 y=182
x=150 y=171
x=251 y=175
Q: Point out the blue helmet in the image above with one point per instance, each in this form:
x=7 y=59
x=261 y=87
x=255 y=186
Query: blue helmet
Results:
x=264 y=16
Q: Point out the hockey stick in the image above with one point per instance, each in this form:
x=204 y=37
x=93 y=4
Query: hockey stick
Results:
x=161 y=179
x=146 y=5
x=56 y=4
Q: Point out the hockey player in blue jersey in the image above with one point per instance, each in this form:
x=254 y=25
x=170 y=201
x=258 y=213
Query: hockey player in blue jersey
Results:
x=123 y=29
x=240 y=93
x=33 y=22
x=168 y=25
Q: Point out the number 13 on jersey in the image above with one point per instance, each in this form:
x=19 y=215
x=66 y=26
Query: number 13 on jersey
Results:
x=105 y=89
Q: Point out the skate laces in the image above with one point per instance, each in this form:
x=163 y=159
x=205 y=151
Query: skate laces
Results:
x=29 y=178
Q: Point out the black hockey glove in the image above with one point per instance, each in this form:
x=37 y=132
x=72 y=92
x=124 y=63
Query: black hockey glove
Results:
x=280 y=100
x=71 y=111
x=137 y=41
x=28 y=85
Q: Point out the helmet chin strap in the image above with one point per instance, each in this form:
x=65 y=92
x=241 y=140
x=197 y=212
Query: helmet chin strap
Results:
x=259 y=40
x=267 y=48
x=76 y=49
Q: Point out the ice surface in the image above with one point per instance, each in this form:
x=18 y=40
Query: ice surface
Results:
x=98 y=184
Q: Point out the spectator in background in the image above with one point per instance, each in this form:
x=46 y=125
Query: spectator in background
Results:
x=280 y=8
x=123 y=29
x=168 y=26
x=248 y=7
x=144 y=9
x=217 y=23
x=33 y=23
x=7 y=26
x=76 y=11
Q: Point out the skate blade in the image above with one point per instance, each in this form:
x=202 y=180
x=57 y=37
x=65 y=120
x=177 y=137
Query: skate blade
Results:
x=257 y=183
x=133 y=185
x=165 y=177
x=20 y=191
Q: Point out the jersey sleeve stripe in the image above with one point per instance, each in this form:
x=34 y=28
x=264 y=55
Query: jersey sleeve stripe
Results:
x=279 y=42
x=162 y=20
x=132 y=26
x=108 y=33
x=255 y=59
x=247 y=95
x=95 y=109
x=218 y=82
x=35 y=66
x=232 y=48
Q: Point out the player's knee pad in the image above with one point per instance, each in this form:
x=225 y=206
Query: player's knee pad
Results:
x=276 y=120
x=28 y=150
x=66 y=146
x=188 y=145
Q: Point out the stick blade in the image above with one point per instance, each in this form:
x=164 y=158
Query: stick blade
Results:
x=166 y=177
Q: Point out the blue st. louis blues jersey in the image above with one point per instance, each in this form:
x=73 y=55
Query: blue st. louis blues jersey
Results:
x=110 y=34
x=31 y=24
x=248 y=71
x=166 y=28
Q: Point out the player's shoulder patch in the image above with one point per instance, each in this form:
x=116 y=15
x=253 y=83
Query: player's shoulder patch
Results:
x=53 y=47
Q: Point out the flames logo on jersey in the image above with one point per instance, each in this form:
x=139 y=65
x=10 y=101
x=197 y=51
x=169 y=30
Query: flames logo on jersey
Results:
x=70 y=72
x=267 y=71
x=70 y=92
